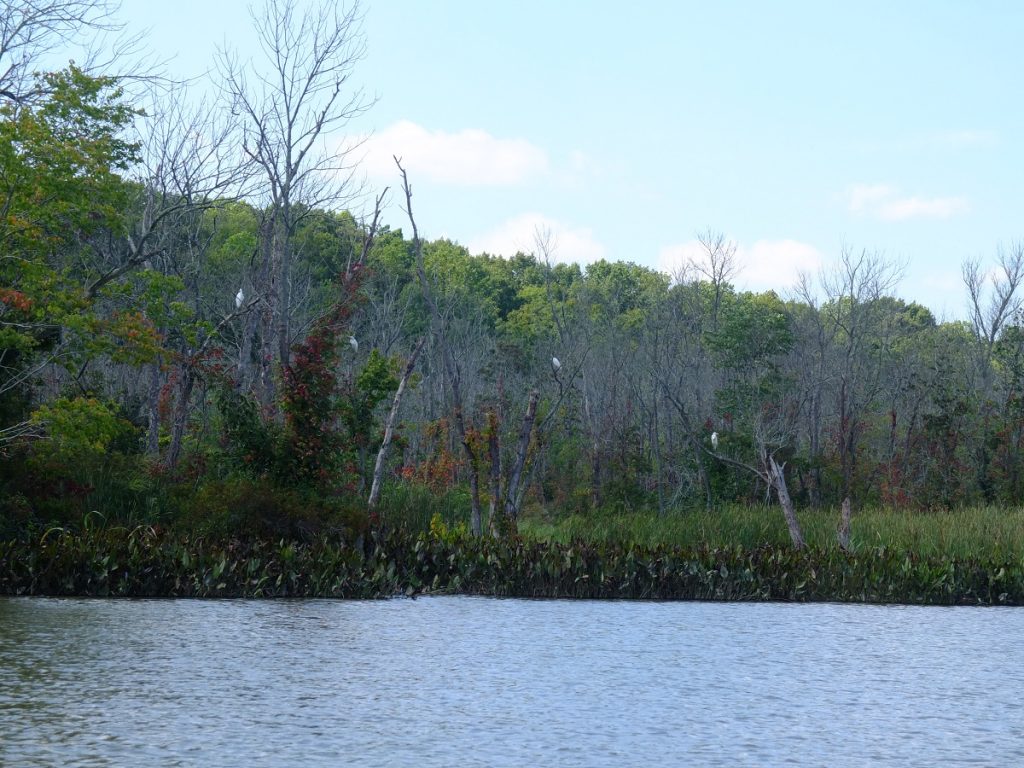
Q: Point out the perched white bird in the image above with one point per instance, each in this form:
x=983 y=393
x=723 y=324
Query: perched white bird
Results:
x=239 y=298
x=714 y=440
x=353 y=343
x=555 y=364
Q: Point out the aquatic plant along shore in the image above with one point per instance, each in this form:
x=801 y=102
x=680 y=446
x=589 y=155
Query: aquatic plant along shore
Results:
x=147 y=563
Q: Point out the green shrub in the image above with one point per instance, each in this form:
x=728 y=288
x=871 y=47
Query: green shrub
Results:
x=87 y=461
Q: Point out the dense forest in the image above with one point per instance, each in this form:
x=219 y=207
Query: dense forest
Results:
x=203 y=324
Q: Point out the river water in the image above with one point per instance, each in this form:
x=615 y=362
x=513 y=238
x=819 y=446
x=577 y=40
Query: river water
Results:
x=457 y=681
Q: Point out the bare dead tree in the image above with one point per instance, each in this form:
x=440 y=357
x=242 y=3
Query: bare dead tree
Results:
x=994 y=301
x=813 y=376
x=771 y=433
x=289 y=108
x=717 y=265
x=680 y=365
x=691 y=437
x=440 y=332
x=387 y=307
x=852 y=319
x=994 y=298
x=371 y=234
x=189 y=164
x=389 y=426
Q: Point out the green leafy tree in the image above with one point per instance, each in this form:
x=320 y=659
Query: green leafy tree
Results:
x=62 y=160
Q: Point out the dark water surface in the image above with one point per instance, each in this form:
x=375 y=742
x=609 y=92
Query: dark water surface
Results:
x=451 y=681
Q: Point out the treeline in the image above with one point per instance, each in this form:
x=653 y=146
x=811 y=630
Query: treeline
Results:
x=194 y=331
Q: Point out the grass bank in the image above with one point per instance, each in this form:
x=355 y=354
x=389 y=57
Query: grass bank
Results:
x=146 y=563
x=983 y=533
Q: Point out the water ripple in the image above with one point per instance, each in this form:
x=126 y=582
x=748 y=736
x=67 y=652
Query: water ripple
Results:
x=481 y=682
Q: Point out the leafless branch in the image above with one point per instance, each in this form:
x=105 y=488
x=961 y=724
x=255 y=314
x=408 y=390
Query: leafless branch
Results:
x=30 y=30
x=994 y=298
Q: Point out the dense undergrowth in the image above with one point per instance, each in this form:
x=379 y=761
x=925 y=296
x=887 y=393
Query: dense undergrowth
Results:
x=146 y=562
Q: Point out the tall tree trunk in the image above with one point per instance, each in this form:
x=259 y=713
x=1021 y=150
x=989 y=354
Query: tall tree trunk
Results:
x=244 y=381
x=475 y=507
x=656 y=450
x=283 y=259
x=153 y=411
x=844 y=525
x=256 y=375
x=270 y=275
x=267 y=390
x=494 y=453
x=778 y=479
x=702 y=473
x=180 y=420
x=389 y=428
x=595 y=448
x=515 y=476
x=815 y=450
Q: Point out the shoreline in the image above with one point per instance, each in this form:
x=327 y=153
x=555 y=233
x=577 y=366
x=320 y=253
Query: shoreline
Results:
x=144 y=563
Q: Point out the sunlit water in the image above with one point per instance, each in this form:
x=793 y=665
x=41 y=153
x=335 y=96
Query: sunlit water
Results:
x=469 y=681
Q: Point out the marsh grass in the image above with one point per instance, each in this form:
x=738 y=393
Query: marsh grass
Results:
x=412 y=507
x=985 y=533
x=966 y=556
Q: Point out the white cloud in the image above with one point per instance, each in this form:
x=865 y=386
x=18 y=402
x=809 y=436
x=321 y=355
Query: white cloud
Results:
x=470 y=157
x=672 y=258
x=916 y=207
x=884 y=202
x=761 y=266
x=569 y=244
x=777 y=264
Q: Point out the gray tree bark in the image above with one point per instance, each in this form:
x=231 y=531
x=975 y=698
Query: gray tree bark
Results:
x=843 y=534
x=522 y=451
x=778 y=481
x=389 y=428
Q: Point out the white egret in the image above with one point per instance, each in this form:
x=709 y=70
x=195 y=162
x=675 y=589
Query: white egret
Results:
x=555 y=364
x=353 y=343
x=714 y=441
x=239 y=298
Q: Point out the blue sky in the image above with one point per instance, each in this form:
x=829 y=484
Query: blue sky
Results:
x=796 y=128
